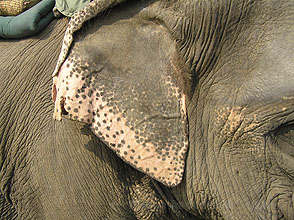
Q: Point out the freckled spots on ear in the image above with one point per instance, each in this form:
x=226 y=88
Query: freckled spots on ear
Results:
x=140 y=113
x=149 y=141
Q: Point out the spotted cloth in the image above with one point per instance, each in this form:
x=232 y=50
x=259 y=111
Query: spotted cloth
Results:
x=146 y=128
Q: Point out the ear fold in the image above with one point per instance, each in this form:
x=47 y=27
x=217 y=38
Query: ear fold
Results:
x=91 y=10
x=122 y=81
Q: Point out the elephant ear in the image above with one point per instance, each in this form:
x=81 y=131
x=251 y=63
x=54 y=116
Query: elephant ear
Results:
x=78 y=19
x=123 y=82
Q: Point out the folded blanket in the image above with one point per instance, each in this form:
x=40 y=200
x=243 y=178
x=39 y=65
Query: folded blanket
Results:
x=29 y=22
x=15 y=7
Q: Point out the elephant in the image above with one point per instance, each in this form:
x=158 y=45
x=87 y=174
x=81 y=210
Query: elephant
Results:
x=206 y=86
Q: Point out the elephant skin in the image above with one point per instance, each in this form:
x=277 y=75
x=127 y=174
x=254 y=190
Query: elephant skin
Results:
x=232 y=60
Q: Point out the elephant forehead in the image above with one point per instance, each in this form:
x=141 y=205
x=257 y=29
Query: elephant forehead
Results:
x=266 y=70
x=274 y=78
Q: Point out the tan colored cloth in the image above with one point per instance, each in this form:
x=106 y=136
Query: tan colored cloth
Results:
x=15 y=7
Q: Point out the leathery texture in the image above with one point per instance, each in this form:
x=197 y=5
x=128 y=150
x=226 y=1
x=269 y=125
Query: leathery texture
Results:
x=76 y=22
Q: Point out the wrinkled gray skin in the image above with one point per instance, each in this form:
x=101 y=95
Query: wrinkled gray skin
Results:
x=236 y=59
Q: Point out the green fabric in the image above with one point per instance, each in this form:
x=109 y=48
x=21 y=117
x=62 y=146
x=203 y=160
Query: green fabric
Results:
x=29 y=22
x=69 y=7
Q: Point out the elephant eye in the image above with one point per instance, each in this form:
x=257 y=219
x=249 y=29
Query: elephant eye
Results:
x=283 y=148
x=284 y=138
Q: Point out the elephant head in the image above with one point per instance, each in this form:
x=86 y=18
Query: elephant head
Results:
x=198 y=95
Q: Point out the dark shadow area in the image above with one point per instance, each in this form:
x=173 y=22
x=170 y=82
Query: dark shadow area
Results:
x=7 y=211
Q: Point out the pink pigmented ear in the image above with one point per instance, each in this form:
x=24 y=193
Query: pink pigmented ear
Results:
x=139 y=112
